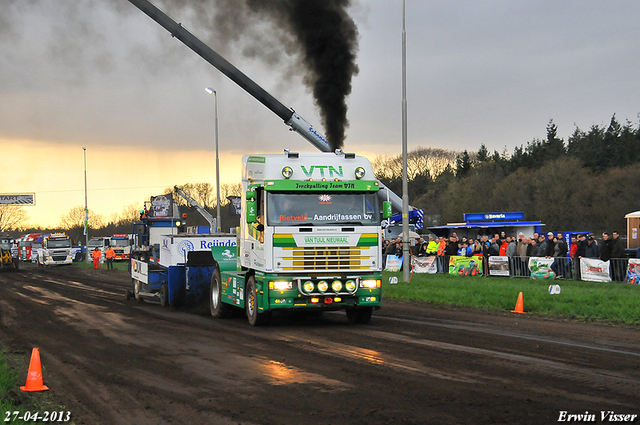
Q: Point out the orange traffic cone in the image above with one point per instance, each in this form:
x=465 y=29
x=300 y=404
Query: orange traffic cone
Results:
x=519 y=305
x=34 y=378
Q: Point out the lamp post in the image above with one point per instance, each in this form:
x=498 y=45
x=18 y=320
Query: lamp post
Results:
x=86 y=208
x=405 y=190
x=215 y=101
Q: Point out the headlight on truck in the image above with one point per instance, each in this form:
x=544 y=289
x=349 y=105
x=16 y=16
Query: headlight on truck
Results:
x=323 y=286
x=350 y=285
x=308 y=286
x=280 y=285
x=370 y=283
x=336 y=285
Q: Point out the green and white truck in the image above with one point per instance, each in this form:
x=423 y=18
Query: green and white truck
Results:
x=309 y=238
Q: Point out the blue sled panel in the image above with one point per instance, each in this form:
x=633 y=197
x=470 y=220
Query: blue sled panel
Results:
x=199 y=283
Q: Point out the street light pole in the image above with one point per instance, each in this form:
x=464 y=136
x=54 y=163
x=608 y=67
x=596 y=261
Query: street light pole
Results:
x=86 y=208
x=406 y=265
x=218 y=218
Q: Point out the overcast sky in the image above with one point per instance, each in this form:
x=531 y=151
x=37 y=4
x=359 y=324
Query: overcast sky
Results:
x=101 y=74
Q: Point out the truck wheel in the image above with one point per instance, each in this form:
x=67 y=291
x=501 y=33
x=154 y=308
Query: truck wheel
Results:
x=359 y=315
x=218 y=308
x=136 y=290
x=251 y=305
x=164 y=295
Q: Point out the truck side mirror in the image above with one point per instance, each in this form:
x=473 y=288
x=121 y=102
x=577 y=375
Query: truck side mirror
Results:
x=387 y=210
x=252 y=207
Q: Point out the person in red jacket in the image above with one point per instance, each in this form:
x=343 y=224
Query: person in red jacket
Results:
x=111 y=255
x=96 y=254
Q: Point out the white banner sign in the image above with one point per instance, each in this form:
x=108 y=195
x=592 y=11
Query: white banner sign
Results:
x=540 y=268
x=498 y=266
x=594 y=270
x=424 y=264
x=394 y=263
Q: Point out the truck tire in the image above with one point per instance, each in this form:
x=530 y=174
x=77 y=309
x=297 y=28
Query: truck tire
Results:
x=217 y=307
x=251 y=305
x=164 y=295
x=359 y=315
x=136 y=290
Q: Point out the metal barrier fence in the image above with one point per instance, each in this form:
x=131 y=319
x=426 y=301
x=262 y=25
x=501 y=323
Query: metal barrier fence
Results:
x=563 y=267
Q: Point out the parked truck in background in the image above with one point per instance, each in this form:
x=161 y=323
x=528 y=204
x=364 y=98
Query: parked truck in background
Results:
x=121 y=245
x=55 y=250
x=28 y=246
x=102 y=243
x=309 y=240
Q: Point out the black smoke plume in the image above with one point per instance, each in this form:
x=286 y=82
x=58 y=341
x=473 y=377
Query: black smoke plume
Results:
x=320 y=32
x=328 y=38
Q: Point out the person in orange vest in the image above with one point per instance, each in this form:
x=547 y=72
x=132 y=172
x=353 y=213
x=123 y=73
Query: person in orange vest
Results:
x=96 y=254
x=111 y=255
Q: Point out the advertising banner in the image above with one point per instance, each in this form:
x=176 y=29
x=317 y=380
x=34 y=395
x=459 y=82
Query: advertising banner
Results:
x=424 y=264
x=594 y=270
x=394 y=263
x=498 y=265
x=633 y=271
x=465 y=266
x=540 y=268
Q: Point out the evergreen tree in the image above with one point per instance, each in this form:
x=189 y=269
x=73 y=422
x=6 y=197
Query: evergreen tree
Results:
x=463 y=164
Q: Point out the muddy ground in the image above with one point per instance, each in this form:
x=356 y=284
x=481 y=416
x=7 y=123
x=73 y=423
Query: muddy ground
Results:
x=112 y=361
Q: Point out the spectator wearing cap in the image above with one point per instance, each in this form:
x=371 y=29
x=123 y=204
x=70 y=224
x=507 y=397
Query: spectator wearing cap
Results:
x=549 y=250
x=591 y=249
x=542 y=246
x=504 y=245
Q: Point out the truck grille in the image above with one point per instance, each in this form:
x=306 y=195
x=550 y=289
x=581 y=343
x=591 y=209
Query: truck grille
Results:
x=59 y=257
x=325 y=258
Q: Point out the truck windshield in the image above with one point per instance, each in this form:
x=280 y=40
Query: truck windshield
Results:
x=5 y=244
x=93 y=243
x=317 y=209
x=119 y=242
x=62 y=243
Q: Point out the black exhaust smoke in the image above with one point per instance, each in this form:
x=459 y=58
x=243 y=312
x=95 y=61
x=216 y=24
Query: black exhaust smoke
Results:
x=321 y=32
x=328 y=38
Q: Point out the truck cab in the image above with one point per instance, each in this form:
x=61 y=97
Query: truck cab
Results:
x=55 y=250
x=102 y=243
x=121 y=245
x=310 y=238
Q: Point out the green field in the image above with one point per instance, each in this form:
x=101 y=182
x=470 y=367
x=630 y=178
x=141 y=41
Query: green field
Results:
x=612 y=302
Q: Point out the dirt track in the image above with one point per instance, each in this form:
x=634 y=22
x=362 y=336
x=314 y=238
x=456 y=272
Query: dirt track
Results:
x=112 y=361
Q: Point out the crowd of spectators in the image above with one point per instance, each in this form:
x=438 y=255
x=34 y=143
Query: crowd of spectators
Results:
x=519 y=248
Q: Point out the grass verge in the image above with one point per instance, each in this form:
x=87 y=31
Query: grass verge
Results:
x=612 y=302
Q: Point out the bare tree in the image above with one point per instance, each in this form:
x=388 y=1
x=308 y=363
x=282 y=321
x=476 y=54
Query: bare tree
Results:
x=75 y=219
x=419 y=161
x=12 y=217
x=229 y=189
